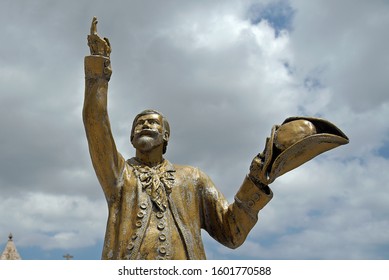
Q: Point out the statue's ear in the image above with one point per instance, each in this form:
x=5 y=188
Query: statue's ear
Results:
x=166 y=136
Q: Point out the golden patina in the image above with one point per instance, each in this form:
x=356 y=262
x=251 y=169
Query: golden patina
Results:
x=157 y=209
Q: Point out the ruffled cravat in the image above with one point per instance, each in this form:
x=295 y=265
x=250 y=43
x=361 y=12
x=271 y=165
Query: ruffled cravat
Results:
x=157 y=181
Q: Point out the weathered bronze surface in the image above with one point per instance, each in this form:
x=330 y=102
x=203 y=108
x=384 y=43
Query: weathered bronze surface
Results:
x=157 y=209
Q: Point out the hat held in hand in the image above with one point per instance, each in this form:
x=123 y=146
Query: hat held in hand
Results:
x=298 y=140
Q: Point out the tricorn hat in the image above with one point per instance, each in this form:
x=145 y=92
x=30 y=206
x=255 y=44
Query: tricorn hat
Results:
x=296 y=141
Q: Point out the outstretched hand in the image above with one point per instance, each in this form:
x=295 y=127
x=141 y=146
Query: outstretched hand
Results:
x=98 y=45
x=258 y=170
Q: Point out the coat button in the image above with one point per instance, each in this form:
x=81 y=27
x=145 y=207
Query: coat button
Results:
x=256 y=196
x=160 y=215
x=138 y=224
x=162 y=237
x=143 y=205
x=161 y=226
x=134 y=236
x=250 y=203
x=162 y=250
x=140 y=215
x=130 y=246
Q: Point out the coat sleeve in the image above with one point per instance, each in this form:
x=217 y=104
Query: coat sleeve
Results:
x=109 y=165
x=231 y=223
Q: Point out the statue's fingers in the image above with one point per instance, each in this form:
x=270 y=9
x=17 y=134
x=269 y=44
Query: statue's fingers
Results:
x=108 y=43
x=107 y=46
x=93 y=28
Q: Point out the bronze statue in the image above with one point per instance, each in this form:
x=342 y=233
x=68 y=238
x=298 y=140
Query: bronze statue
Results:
x=157 y=209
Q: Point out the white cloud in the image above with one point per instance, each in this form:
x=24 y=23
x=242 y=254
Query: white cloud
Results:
x=53 y=221
x=347 y=40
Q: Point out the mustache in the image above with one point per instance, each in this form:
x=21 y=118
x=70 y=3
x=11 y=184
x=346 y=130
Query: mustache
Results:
x=147 y=131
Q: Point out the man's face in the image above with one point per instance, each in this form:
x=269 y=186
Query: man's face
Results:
x=148 y=132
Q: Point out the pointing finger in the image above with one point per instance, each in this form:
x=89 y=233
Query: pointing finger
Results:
x=93 y=28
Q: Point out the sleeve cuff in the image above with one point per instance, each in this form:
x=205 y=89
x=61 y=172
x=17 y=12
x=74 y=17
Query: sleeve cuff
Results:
x=253 y=197
x=97 y=67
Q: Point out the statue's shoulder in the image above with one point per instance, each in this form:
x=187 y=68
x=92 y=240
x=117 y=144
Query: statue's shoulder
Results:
x=187 y=171
x=185 y=168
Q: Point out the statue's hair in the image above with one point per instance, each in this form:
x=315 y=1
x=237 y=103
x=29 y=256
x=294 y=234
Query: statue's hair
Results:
x=166 y=126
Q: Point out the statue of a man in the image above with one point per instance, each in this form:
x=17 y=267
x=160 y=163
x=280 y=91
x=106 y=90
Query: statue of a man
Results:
x=157 y=209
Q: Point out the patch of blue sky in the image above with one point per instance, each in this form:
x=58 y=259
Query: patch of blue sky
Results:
x=289 y=68
x=312 y=83
x=379 y=251
x=383 y=151
x=37 y=253
x=279 y=15
x=273 y=239
x=314 y=213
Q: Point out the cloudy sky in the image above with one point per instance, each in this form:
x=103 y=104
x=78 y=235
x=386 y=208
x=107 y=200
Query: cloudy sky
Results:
x=223 y=73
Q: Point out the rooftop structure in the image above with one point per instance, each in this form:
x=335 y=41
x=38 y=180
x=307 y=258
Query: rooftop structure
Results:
x=10 y=252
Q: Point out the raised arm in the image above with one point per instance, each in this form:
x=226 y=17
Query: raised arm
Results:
x=107 y=162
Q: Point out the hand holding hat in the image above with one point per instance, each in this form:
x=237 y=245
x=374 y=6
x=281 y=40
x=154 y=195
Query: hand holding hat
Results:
x=296 y=141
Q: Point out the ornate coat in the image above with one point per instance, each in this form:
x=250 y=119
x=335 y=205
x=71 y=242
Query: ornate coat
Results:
x=193 y=202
